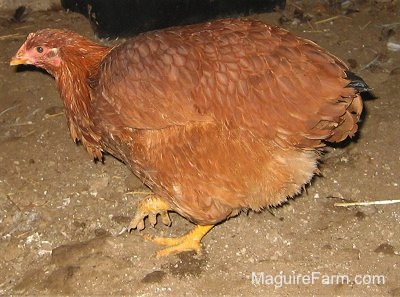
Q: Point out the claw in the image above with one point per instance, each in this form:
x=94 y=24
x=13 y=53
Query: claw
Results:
x=138 y=221
x=150 y=207
x=165 y=218
x=153 y=219
x=136 y=225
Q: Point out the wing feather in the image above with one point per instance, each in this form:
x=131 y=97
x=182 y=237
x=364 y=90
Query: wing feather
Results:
x=240 y=73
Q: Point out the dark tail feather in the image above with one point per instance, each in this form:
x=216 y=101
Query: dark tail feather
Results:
x=357 y=82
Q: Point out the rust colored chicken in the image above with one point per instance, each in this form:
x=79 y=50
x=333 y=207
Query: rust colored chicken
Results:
x=214 y=118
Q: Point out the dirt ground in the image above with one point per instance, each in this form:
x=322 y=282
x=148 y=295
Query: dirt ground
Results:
x=63 y=217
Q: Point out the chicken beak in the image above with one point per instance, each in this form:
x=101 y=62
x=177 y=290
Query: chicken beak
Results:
x=20 y=57
x=18 y=61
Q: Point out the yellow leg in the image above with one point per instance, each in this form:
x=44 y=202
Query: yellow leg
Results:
x=188 y=242
x=150 y=207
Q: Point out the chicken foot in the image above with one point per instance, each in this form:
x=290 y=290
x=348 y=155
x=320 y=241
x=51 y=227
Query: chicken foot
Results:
x=150 y=207
x=188 y=242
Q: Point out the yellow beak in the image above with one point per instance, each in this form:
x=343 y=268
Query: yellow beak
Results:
x=18 y=61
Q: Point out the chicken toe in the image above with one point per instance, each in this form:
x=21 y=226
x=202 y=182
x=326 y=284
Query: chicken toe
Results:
x=188 y=242
x=150 y=207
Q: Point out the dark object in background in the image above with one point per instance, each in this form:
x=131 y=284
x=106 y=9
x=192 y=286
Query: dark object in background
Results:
x=19 y=14
x=114 y=18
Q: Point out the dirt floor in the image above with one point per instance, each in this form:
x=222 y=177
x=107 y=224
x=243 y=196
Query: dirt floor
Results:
x=63 y=218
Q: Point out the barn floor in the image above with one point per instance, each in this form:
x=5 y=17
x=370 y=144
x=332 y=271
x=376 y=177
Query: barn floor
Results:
x=63 y=218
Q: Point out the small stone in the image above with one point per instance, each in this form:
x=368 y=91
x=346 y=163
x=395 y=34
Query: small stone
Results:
x=385 y=248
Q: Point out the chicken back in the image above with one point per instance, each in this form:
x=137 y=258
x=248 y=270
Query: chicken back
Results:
x=214 y=118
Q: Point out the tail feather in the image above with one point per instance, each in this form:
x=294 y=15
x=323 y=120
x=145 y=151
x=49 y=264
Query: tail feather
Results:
x=348 y=125
x=357 y=82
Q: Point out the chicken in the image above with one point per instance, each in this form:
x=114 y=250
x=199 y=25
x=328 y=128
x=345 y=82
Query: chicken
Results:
x=214 y=118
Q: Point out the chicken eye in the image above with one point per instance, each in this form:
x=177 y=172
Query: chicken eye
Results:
x=39 y=49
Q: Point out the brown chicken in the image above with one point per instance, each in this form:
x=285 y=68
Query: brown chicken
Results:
x=214 y=118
